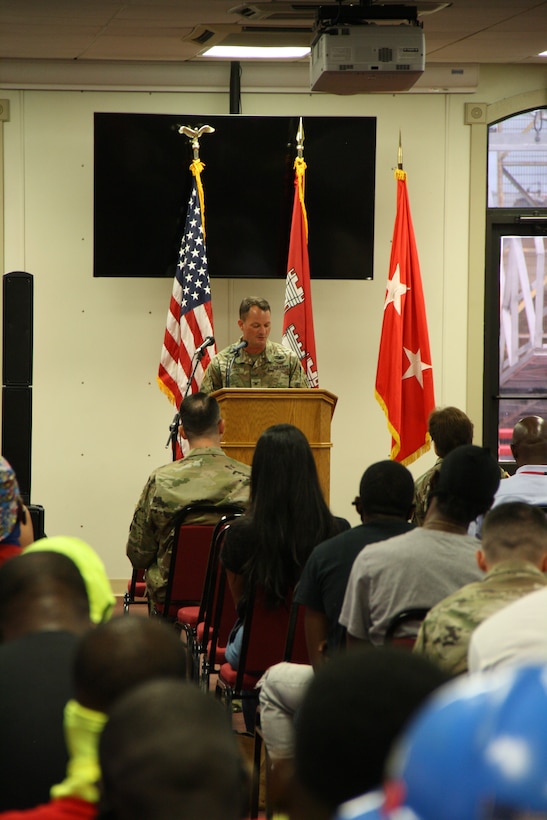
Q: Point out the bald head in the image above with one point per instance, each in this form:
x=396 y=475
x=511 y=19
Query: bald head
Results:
x=42 y=591
x=167 y=751
x=529 y=442
x=121 y=654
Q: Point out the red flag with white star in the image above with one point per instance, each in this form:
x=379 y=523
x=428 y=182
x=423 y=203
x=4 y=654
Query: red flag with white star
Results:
x=404 y=378
x=298 y=332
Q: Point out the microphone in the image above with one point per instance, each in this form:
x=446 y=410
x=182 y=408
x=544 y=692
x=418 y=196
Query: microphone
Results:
x=239 y=346
x=210 y=340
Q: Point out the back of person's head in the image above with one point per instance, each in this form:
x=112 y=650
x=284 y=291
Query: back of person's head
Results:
x=41 y=591
x=387 y=488
x=10 y=499
x=466 y=483
x=168 y=751
x=449 y=428
x=252 y=301
x=92 y=570
x=477 y=750
x=529 y=441
x=288 y=510
x=515 y=530
x=353 y=710
x=199 y=415
x=122 y=653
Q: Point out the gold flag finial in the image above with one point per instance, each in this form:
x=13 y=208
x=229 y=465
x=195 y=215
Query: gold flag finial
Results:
x=300 y=139
x=400 y=154
x=194 y=134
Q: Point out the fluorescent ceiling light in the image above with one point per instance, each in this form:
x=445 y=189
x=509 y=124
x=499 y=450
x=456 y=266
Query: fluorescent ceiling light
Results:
x=257 y=52
x=542 y=54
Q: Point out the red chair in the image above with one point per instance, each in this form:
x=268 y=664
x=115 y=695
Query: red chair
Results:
x=197 y=621
x=403 y=628
x=136 y=591
x=296 y=651
x=190 y=555
x=263 y=644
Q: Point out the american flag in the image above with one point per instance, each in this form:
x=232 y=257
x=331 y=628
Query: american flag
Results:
x=190 y=314
x=404 y=378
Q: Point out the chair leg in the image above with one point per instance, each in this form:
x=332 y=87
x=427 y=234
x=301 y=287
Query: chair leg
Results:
x=255 y=780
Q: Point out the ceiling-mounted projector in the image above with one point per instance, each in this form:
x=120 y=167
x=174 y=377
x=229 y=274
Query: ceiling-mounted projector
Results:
x=352 y=54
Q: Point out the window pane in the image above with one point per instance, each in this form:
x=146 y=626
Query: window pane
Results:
x=510 y=411
x=517 y=161
x=523 y=332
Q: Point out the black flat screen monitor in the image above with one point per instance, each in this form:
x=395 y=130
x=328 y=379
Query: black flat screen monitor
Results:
x=142 y=184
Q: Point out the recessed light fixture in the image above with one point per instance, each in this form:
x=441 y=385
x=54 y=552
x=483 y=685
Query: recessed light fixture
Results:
x=257 y=52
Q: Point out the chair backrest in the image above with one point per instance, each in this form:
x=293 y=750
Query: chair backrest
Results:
x=190 y=554
x=296 y=647
x=403 y=627
x=265 y=633
x=208 y=606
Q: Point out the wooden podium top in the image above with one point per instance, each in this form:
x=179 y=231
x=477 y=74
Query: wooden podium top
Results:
x=248 y=411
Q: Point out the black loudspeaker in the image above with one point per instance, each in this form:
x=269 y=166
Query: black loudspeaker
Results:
x=16 y=434
x=17 y=329
x=17 y=338
x=37 y=513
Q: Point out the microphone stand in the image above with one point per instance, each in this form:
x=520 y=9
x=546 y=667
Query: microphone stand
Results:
x=174 y=426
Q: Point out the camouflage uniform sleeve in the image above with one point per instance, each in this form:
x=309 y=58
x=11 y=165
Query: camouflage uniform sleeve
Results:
x=142 y=546
x=212 y=379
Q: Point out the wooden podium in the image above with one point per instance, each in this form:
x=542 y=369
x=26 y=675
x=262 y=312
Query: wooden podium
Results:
x=247 y=412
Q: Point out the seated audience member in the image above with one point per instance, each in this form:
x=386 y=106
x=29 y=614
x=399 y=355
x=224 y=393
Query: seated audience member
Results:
x=354 y=709
x=529 y=448
x=16 y=529
x=514 y=635
x=287 y=517
x=513 y=553
x=385 y=504
x=476 y=750
x=420 y=568
x=92 y=570
x=142 y=650
x=44 y=609
x=261 y=363
x=206 y=475
x=183 y=762
x=449 y=428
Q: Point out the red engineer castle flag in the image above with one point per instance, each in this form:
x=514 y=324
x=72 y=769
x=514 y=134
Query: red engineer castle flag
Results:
x=298 y=333
x=404 y=378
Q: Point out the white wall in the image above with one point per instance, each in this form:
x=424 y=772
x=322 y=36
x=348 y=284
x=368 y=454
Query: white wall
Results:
x=100 y=422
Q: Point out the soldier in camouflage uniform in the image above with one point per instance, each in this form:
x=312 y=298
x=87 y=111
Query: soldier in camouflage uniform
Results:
x=205 y=475
x=514 y=555
x=261 y=363
x=448 y=428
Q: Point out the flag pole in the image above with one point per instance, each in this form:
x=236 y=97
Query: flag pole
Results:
x=298 y=332
x=189 y=331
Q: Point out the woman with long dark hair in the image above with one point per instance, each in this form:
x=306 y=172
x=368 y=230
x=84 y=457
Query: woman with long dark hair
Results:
x=286 y=519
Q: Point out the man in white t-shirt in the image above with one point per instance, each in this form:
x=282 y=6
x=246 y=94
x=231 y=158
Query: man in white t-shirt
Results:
x=515 y=635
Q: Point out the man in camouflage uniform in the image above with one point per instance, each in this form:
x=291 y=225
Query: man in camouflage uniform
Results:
x=261 y=363
x=448 y=427
x=513 y=553
x=206 y=475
